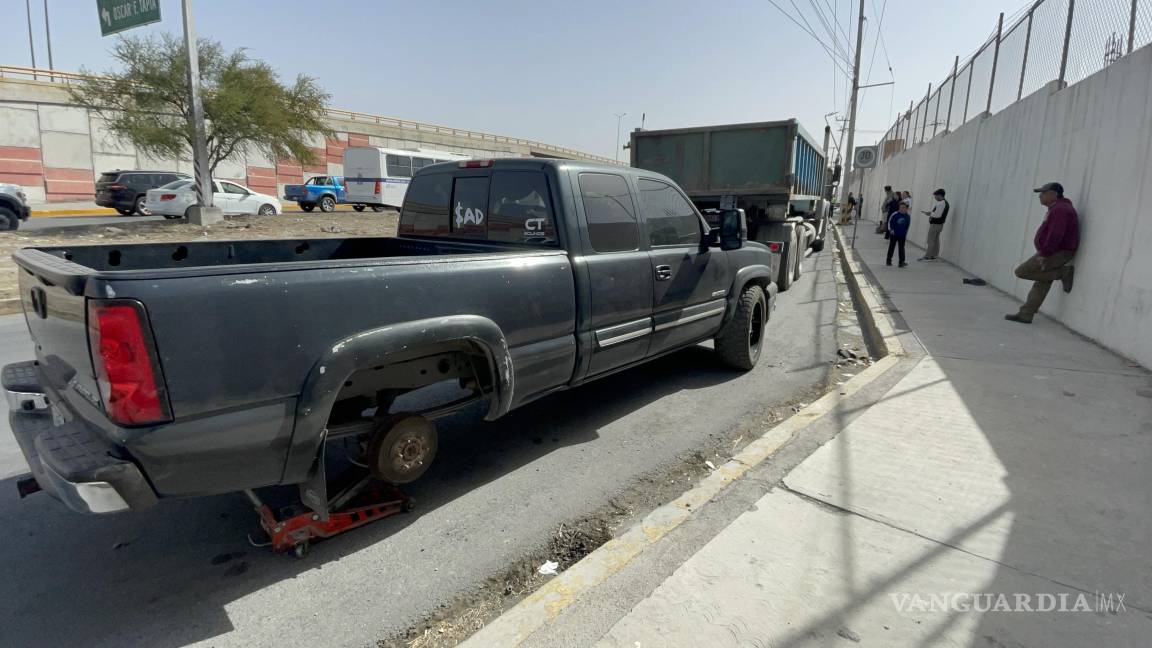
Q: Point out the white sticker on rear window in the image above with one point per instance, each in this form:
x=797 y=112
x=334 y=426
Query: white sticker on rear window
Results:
x=469 y=215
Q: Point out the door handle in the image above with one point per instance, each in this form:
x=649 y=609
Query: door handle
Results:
x=663 y=273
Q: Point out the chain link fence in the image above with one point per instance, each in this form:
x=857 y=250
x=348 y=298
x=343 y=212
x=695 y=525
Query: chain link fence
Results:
x=1049 y=40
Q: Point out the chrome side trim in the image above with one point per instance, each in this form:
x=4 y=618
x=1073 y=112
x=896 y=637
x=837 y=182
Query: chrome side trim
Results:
x=623 y=332
x=695 y=313
x=719 y=293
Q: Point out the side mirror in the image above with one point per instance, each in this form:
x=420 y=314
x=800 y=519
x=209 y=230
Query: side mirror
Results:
x=733 y=229
x=711 y=237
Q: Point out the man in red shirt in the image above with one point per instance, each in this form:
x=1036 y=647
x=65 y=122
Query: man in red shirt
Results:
x=1056 y=242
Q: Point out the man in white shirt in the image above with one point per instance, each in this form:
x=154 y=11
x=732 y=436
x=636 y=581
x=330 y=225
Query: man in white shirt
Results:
x=936 y=217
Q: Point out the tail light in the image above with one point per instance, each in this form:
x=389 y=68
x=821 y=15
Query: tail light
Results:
x=475 y=164
x=167 y=196
x=377 y=189
x=115 y=186
x=124 y=357
x=775 y=247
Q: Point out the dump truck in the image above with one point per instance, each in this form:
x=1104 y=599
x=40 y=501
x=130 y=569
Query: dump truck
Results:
x=774 y=171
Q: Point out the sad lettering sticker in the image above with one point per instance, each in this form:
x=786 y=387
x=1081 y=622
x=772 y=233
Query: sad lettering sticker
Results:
x=468 y=215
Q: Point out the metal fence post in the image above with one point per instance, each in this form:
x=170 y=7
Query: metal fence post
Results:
x=1024 y=63
x=952 y=94
x=995 y=61
x=1067 y=41
x=968 y=92
x=908 y=138
x=924 y=122
x=1132 y=26
x=936 y=117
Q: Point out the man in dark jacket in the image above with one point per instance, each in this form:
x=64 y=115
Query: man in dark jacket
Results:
x=1056 y=242
x=898 y=225
x=936 y=218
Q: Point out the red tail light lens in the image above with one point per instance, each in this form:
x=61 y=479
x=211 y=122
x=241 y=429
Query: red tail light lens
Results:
x=377 y=189
x=124 y=357
x=475 y=164
x=775 y=247
x=115 y=186
x=167 y=196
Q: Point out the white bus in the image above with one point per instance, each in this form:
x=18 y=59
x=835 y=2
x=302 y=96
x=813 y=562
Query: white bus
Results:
x=380 y=176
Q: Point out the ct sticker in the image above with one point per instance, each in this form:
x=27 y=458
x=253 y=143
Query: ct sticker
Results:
x=534 y=224
x=468 y=216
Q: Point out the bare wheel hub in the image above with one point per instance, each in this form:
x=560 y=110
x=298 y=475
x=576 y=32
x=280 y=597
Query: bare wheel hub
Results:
x=402 y=448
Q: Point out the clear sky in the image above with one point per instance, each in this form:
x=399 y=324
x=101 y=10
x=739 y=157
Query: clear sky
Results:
x=558 y=71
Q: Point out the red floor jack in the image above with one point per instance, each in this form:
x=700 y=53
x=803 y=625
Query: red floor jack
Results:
x=401 y=451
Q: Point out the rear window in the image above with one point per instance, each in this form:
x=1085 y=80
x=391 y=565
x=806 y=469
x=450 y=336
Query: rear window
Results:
x=108 y=177
x=611 y=214
x=504 y=207
x=177 y=184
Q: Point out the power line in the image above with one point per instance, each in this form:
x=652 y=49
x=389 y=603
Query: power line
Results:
x=812 y=31
x=828 y=27
x=813 y=35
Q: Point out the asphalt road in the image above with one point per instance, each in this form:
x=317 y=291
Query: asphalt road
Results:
x=183 y=573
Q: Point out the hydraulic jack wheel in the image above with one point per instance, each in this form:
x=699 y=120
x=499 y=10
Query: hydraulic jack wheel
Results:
x=401 y=449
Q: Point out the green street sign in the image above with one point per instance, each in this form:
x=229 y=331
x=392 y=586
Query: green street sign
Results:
x=121 y=15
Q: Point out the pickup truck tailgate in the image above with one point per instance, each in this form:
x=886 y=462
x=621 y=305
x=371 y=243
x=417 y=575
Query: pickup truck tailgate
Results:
x=295 y=192
x=57 y=321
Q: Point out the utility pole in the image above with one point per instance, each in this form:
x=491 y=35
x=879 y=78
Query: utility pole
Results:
x=202 y=213
x=48 y=37
x=619 y=117
x=852 y=110
x=31 y=47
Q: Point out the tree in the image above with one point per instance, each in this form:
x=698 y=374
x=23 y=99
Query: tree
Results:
x=246 y=107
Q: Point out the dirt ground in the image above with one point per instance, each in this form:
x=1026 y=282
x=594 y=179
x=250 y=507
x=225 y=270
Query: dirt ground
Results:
x=286 y=226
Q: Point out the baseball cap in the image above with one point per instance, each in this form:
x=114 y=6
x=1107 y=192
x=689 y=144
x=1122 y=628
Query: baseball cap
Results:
x=1050 y=186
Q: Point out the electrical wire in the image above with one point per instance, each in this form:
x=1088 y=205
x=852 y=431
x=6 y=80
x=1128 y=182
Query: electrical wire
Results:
x=822 y=44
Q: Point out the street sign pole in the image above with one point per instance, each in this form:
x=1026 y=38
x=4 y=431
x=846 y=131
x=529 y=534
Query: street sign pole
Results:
x=203 y=213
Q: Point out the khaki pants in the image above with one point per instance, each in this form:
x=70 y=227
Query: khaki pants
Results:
x=1042 y=274
x=933 y=241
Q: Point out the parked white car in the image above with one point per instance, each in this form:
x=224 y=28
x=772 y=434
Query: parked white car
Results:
x=173 y=199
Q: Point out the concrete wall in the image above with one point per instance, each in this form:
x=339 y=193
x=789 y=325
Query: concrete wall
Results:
x=1095 y=138
x=56 y=150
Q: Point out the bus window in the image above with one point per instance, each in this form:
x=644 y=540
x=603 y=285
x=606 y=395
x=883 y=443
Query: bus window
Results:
x=399 y=166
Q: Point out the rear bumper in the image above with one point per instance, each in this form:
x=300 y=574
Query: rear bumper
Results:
x=69 y=459
x=23 y=212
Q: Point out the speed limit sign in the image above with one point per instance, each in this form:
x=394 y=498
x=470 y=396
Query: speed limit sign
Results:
x=865 y=157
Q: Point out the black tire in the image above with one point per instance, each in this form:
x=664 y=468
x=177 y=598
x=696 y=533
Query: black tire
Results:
x=378 y=208
x=327 y=204
x=800 y=249
x=818 y=245
x=358 y=207
x=266 y=210
x=125 y=212
x=740 y=341
x=8 y=219
x=307 y=206
x=171 y=217
x=142 y=207
x=402 y=448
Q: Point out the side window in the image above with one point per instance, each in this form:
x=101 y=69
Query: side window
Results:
x=469 y=204
x=399 y=166
x=425 y=211
x=419 y=163
x=519 y=210
x=232 y=188
x=670 y=218
x=611 y=215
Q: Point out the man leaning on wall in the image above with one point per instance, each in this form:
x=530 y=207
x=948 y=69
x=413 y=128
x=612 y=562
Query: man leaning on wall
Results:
x=1056 y=242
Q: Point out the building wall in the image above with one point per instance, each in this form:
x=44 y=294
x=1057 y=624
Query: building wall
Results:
x=56 y=150
x=1092 y=137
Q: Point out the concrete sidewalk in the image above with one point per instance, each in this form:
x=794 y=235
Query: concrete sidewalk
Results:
x=999 y=459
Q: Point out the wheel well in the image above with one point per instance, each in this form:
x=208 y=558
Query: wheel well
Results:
x=379 y=385
x=8 y=203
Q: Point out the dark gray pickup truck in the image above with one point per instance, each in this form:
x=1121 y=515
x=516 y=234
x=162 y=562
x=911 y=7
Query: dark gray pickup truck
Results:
x=177 y=370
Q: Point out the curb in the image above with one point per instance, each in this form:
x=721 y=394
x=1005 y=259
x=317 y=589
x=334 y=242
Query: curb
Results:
x=879 y=333
x=517 y=624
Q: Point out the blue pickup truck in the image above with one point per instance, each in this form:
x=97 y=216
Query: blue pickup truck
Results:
x=324 y=192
